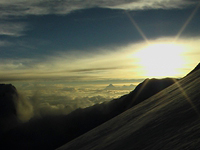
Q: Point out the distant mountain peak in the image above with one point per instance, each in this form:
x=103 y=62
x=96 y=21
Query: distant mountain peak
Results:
x=110 y=87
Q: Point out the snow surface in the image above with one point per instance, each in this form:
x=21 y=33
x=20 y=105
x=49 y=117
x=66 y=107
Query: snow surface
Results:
x=168 y=120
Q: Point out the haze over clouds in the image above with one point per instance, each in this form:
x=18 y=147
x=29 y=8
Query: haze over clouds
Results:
x=58 y=99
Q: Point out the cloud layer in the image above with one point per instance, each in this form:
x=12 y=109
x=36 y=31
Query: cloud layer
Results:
x=43 y=7
x=12 y=29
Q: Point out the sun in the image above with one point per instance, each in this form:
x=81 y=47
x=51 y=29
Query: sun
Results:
x=161 y=59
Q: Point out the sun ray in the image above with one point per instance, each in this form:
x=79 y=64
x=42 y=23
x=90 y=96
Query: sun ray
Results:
x=187 y=22
x=137 y=27
x=187 y=97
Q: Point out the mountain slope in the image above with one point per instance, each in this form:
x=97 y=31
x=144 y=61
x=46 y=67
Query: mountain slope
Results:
x=167 y=120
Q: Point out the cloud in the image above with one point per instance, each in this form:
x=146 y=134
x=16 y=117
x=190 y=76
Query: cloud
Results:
x=4 y=77
x=10 y=10
x=25 y=110
x=39 y=105
x=43 y=7
x=50 y=105
x=69 y=89
x=12 y=29
x=154 y=4
x=40 y=101
x=94 y=69
x=5 y=43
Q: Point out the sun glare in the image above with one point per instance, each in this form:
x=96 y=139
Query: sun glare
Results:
x=161 y=60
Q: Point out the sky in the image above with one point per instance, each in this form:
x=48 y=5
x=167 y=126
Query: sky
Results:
x=74 y=46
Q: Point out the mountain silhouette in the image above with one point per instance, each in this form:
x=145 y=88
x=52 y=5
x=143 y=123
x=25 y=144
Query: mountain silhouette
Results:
x=8 y=111
x=110 y=87
x=169 y=119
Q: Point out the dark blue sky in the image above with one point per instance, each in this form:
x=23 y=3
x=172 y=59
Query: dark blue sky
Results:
x=88 y=29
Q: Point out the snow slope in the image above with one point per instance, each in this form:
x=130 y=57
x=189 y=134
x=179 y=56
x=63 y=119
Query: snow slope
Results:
x=168 y=120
